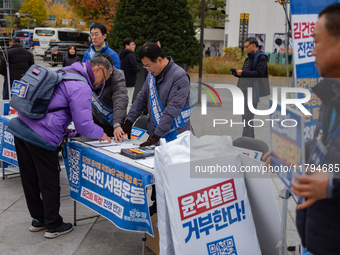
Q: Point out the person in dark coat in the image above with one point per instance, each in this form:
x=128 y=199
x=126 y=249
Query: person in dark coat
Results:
x=109 y=103
x=19 y=60
x=128 y=62
x=318 y=217
x=256 y=71
x=71 y=56
x=207 y=52
x=172 y=84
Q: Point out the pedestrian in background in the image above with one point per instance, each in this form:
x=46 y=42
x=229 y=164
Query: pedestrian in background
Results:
x=254 y=74
x=128 y=64
x=71 y=56
x=156 y=41
x=19 y=60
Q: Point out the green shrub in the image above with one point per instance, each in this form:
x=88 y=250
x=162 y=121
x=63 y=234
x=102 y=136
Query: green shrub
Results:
x=234 y=59
x=278 y=69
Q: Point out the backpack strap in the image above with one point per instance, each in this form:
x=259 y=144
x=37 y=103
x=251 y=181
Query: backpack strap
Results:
x=77 y=77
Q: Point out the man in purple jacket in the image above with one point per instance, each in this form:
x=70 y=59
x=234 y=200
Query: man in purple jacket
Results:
x=36 y=144
x=166 y=93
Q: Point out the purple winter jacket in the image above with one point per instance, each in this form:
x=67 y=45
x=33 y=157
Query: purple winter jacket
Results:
x=77 y=96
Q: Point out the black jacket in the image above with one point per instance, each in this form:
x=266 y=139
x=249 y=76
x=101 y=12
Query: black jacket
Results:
x=128 y=64
x=319 y=224
x=70 y=59
x=260 y=73
x=114 y=95
x=20 y=61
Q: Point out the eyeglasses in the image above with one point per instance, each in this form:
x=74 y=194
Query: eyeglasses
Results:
x=95 y=34
x=104 y=79
x=147 y=67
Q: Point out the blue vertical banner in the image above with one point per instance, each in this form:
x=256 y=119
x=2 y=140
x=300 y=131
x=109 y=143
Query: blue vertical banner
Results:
x=112 y=188
x=303 y=21
x=7 y=146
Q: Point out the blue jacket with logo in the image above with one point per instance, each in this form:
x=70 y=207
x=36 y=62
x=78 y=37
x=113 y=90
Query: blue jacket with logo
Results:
x=91 y=52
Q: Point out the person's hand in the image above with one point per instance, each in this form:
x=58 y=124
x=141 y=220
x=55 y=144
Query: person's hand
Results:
x=267 y=159
x=127 y=128
x=71 y=133
x=118 y=134
x=105 y=138
x=312 y=187
x=152 y=140
x=239 y=72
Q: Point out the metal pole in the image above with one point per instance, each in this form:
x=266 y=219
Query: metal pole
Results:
x=201 y=52
x=143 y=243
x=287 y=44
x=8 y=79
x=28 y=22
x=283 y=245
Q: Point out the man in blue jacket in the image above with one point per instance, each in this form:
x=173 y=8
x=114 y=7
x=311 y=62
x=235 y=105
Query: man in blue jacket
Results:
x=98 y=36
x=165 y=93
x=112 y=93
x=254 y=74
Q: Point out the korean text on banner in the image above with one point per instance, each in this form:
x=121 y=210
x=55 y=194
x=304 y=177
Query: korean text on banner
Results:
x=304 y=18
x=7 y=146
x=203 y=215
x=112 y=188
x=287 y=145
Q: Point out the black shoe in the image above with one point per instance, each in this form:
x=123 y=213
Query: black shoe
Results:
x=153 y=209
x=37 y=226
x=61 y=230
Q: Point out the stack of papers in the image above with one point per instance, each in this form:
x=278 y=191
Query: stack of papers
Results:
x=148 y=162
x=116 y=147
x=98 y=144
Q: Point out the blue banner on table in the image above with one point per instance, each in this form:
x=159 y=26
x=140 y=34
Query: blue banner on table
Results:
x=287 y=144
x=304 y=18
x=113 y=189
x=7 y=146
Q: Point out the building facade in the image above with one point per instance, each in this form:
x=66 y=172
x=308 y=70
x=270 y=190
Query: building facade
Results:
x=266 y=23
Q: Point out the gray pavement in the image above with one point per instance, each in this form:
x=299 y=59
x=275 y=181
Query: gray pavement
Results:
x=98 y=236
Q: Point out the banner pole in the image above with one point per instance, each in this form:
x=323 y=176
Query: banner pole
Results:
x=287 y=44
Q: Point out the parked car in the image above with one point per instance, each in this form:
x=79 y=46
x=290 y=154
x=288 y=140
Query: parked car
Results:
x=56 y=52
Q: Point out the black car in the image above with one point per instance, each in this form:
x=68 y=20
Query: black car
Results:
x=56 y=52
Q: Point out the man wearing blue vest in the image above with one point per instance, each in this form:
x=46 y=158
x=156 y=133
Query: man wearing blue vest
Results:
x=166 y=93
x=98 y=36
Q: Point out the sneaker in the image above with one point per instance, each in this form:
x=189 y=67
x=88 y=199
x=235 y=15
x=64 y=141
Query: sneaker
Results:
x=37 y=226
x=61 y=230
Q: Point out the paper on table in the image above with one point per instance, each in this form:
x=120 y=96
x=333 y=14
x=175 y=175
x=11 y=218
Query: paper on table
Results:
x=148 y=162
x=117 y=148
x=96 y=143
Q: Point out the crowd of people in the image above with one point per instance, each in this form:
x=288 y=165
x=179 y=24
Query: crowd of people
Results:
x=165 y=94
